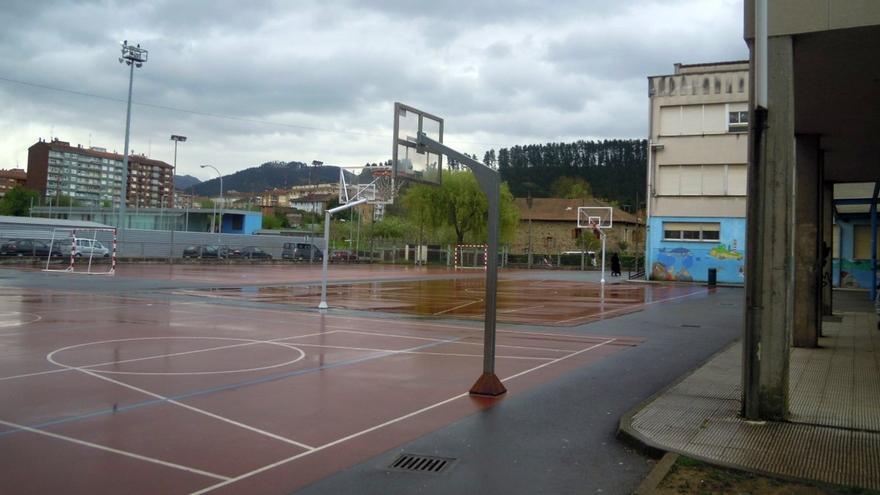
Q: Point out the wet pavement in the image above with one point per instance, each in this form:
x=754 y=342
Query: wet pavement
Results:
x=141 y=384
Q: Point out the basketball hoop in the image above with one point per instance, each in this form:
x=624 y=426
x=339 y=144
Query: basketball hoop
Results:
x=596 y=230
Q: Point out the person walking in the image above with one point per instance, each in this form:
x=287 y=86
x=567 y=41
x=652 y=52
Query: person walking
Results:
x=615 y=265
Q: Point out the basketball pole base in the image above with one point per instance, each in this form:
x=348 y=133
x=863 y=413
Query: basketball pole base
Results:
x=489 y=385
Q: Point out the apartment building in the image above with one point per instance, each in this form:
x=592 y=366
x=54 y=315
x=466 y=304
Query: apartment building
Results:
x=11 y=178
x=93 y=176
x=698 y=150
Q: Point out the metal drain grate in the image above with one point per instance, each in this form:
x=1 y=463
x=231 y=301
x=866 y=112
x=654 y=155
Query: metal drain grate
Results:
x=421 y=463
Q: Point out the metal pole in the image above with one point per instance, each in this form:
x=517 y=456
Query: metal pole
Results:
x=603 y=257
x=124 y=193
x=327 y=214
x=489 y=181
x=324 y=261
x=873 y=291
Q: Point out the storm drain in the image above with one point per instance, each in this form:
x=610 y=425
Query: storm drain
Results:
x=421 y=463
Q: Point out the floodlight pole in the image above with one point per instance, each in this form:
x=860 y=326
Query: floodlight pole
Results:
x=133 y=56
x=327 y=215
x=489 y=181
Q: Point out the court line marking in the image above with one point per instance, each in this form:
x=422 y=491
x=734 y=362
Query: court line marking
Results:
x=4 y=313
x=521 y=309
x=116 y=451
x=51 y=356
x=456 y=307
x=222 y=388
x=634 y=308
x=195 y=409
x=480 y=344
x=419 y=352
x=161 y=356
x=382 y=425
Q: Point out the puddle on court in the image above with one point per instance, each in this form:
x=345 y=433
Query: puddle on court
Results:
x=544 y=302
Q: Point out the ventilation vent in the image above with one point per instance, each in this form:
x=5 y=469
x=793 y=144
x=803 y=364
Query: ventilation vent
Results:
x=421 y=463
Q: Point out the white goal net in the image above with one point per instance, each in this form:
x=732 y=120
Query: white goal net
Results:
x=90 y=251
x=471 y=256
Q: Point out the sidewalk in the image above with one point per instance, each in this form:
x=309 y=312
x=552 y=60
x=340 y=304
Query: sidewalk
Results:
x=833 y=435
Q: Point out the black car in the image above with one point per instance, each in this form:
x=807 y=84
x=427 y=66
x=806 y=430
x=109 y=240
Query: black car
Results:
x=28 y=247
x=206 y=251
x=254 y=253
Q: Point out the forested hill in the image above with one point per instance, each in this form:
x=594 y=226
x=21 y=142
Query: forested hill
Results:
x=615 y=169
x=268 y=176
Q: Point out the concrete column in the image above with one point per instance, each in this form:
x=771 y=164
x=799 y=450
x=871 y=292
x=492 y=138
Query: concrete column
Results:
x=807 y=254
x=828 y=239
x=770 y=247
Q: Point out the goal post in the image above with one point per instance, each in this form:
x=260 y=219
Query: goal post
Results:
x=85 y=249
x=471 y=256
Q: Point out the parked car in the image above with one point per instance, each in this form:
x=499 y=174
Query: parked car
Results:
x=88 y=247
x=28 y=247
x=254 y=253
x=343 y=255
x=301 y=251
x=207 y=251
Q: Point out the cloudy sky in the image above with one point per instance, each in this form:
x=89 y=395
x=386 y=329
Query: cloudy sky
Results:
x=250 y=82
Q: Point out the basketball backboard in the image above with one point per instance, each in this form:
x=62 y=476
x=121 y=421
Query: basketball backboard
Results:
x=601 y=217
x=408 y=161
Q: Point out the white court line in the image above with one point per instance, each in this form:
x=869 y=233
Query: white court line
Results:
x=419 y=352
x=115 y=451
x=520 y=309
x=382 y=425
x=195 y=409
x=480 y=344
x=159 y=356
x=458 y=307
x=629 y=307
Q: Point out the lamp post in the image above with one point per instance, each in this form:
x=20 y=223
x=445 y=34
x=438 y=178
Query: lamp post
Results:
x=220 y=221
x=132 y=56
x=176 y=139
x=529 y=203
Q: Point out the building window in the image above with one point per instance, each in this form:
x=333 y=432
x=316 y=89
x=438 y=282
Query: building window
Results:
x=738 y=121
x=692 y=231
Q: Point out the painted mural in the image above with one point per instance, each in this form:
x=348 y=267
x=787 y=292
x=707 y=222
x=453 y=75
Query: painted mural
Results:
x=682 y=264
x=852 y=274
x=683 y=261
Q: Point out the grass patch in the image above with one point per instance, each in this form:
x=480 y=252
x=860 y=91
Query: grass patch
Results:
x=692 y=477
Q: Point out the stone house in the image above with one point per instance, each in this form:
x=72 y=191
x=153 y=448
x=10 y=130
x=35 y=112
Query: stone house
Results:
x=552 y=225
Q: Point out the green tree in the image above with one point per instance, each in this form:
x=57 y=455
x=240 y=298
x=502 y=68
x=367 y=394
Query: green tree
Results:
x=571 y=188
x=17 y=201
x=64 y=200
x=460 y=207
x=206 y=203
x=389 y=228
x=271 y=222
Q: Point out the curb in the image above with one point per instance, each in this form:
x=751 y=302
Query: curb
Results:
x=656 y=476
x=635 y=439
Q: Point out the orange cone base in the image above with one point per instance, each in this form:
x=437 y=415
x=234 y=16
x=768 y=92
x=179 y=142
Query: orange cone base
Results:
x=488 y=384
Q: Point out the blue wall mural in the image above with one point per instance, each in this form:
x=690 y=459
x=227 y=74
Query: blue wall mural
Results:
x=689 y=261
x=847 y=271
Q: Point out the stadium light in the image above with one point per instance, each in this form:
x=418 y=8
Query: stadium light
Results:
x=176 y=139
x=220 y=227
x=133 y=56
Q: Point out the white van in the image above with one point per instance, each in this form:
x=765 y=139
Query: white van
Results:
x=88 y=247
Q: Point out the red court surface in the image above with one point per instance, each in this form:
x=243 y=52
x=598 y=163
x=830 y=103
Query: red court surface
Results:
x=540 y=302
x=115 y=394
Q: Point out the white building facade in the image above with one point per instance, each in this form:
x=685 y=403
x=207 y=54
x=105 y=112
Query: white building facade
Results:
x=698 y=150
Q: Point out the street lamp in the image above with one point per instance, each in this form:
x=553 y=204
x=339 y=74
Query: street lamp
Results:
x=214 y=210
x=176 y=139
x=132 y=56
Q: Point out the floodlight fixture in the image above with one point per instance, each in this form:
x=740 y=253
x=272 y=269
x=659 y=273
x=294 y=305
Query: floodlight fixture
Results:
x=133 y=54
x=175 y=137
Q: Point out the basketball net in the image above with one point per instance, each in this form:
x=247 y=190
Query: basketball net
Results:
x=596 y=230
